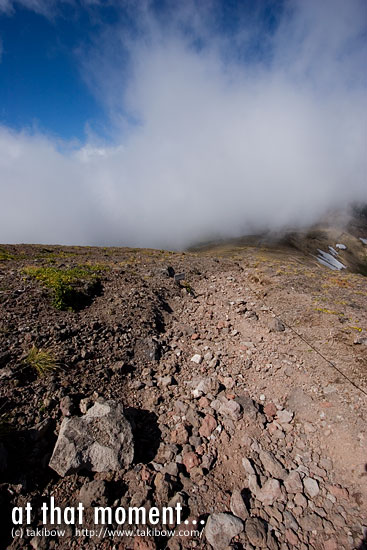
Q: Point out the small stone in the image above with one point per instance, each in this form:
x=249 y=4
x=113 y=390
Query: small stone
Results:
x=165 y=381
x=190 y=460
x=276 y=325
x=192 y=417
x=290 y=521
x=231 y=409
x=338 y=492
x=291 y=537
x=293 y=482
x=204 y=386
x=85 y=404
x=248 y=466
x=238 y=506
x=249 y=407
x=272 y=466
x=221 y=528
x=66 y=406
x=311 y=522
x=300 y=500
x=361 y=340
x=146 y=474
x=309 y=428
x=180 y=435
x=256 y=532
x=208 y=426
x=297 y=511
x=270 y=410
x=253 y=484
x=311 y=487
x=203 y=402
x=228 y=382
x=196 y=358
x=284 y=417
x=195 y=441
x=208 y=460
x=270 y=492
x=271 y=543
x=171 y=468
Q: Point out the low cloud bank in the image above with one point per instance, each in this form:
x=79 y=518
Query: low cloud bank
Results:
x=217 y=146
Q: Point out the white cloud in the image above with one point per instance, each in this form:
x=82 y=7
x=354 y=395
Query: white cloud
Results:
x=43 y=7
x=6 y=6
x=220 y=149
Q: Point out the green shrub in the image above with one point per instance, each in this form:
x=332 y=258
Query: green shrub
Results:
x=72 y=288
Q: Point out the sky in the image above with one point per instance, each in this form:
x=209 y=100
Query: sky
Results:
x=167 y=123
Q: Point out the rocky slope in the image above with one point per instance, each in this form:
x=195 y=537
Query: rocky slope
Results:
x=239 y=392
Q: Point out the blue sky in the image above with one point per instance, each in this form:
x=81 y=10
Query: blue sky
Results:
x=44 y=46
x=166 y=123
x=41 y=84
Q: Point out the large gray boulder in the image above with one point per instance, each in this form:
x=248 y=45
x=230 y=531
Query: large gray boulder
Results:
x=99 y=441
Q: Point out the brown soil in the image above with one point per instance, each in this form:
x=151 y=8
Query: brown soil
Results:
x=143 y=327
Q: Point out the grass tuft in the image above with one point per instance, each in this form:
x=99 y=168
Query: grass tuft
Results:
x=71 y=287
x=42 y=361
x=5 y=255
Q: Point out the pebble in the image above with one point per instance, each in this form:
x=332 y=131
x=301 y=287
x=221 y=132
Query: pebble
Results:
x=311 y=487
x=231 y=409
x=271 y=465
x=238 y=506
x=256 y=532
x=270 y=492
x=293 y=482
x=284 y=417
x=208 y=426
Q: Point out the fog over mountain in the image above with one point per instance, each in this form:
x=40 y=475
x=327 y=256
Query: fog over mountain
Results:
x=213 y=131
